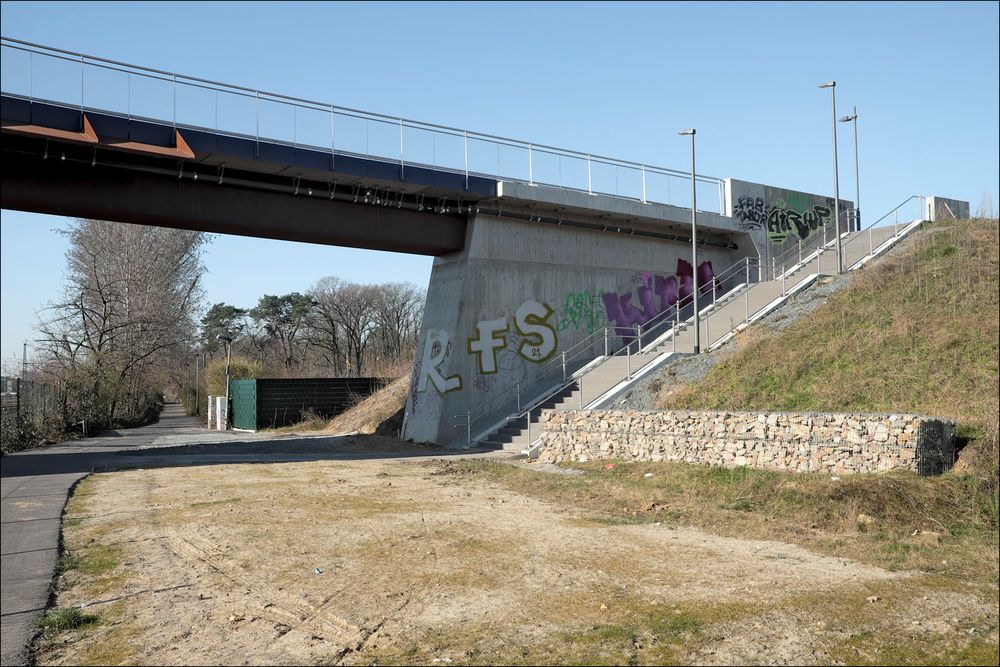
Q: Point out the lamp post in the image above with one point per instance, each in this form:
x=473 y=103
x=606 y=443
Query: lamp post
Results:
x=197 y=385
x=694 y=243
x=229 y=349
x=853 y=118
x=832 y=85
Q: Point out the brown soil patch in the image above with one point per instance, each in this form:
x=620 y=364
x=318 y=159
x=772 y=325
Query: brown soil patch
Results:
x=395 y=561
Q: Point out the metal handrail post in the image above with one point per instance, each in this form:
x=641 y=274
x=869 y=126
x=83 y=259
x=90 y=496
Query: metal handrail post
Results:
x=529 y=427
x=518 y=395
x=564 y=365
x=818 y=253
x=638 y=338
x=782 y=283
x=800 y=251
x=531 y=173
x=643 y=184
x=605 y=341
x=590 y=188
x=580 y=386
x=628 y=361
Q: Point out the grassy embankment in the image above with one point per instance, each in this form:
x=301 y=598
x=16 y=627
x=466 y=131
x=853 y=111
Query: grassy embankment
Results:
x=916 y=332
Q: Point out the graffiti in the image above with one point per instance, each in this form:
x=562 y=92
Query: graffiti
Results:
x=484 y=383
x=783 y=221
x=531 y=320
x=582 y=311
x=489 y=339
x=749 y=213
x=670 y=290
x=534 y=338
x=436 y=349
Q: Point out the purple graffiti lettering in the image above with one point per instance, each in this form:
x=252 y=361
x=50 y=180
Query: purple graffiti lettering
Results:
x=706 y=277
x=676 y=290
x=666 y=289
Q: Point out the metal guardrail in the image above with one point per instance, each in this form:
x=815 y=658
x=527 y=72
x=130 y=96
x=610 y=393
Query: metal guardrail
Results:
x=629 y=338
x=89 y=83
x=745 y=288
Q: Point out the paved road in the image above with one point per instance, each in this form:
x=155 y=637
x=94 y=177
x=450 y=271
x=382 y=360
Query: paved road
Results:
x=34 y=485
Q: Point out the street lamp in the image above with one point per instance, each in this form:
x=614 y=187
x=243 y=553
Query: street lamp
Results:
x=694 y=243
x=857 y=174
x=197 y=385
x=832 y=85
x=229 y=349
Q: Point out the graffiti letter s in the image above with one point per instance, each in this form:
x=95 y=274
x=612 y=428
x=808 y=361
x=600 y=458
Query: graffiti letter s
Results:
x=532 y=321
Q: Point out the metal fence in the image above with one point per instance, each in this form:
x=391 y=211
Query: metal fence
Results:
x=37 y=72
x=29 y=402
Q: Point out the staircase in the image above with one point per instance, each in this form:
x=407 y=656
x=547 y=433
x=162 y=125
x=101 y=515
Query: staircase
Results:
x=606 y=376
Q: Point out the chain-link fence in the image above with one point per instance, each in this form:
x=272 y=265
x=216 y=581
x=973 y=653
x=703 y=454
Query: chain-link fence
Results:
x=29 y=413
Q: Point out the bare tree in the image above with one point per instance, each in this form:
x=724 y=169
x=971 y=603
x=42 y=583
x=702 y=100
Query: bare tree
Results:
x=126 y=313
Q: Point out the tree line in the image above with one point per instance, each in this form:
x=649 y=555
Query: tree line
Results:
x=336 y=329
x=130 y=326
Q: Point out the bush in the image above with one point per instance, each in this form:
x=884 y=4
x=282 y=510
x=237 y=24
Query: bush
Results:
x=241 y=368
x=190 y=400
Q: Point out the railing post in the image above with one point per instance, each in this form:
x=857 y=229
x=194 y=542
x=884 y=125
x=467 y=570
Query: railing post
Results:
x=638 y=338
x=819 y=251
x=643 y=184
x=531 y=173
x=800 y=251
x=465 y=134
x=605 y=341
x=708 y=336
x=529 y=427
x=628 y=361
x=746 y=302
x=333 y=137
x=564 y=365
x=782 y=283
x=590 y=188
x=774 y=268
x=402 y=166
x=580 y=386
x=518 y=395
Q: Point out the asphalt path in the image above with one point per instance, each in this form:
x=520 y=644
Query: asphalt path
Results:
x=34 y=486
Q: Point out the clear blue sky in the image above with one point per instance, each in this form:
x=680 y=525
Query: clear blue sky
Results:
x=614 y=79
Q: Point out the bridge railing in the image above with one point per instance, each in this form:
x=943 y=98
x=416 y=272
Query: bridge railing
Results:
x=90 y=83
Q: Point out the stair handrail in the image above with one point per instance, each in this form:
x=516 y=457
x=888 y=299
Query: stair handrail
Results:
x=573 y=352
x=632 y=333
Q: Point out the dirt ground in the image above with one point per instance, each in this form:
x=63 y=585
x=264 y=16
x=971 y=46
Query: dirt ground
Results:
x=419 y=561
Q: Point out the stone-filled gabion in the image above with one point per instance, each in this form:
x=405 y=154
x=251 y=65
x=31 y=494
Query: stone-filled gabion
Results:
x=803 y=442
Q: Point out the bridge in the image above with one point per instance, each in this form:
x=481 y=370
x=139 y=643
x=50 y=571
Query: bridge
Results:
x=545 y=258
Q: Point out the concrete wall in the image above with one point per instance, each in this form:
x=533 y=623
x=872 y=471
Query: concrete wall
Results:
x=517 y=296
x=801 y=442
x=942 y=208
x=778 y=219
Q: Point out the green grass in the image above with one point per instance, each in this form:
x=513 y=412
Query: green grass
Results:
x=60 y=620
x=918 y=331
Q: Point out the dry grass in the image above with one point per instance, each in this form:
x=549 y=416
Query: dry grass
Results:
x=376 y=413
x=953 y=539
x=918 y=331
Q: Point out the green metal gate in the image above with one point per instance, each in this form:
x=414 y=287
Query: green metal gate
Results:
x=243 y=394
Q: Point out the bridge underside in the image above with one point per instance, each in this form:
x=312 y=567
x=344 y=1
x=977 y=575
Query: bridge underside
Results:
x=66 y=162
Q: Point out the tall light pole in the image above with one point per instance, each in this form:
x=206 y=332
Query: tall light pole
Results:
x=229 y=349
x=853 y=118
x=832 y=85
x=694 y=244
x=197 y=384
